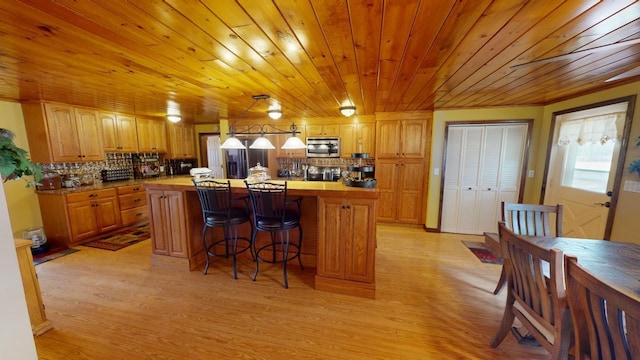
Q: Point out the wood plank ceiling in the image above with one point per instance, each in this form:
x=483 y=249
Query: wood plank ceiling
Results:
x=209 y=57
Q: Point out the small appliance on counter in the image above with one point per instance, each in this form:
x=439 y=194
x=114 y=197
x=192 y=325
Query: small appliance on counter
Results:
x=201 y=173
x=50 y=181
x=180 y=166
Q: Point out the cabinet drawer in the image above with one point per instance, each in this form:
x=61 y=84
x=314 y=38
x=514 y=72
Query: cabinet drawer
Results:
x=130 y=201
x=91 y=195
x=134 y=215
x=130 y=189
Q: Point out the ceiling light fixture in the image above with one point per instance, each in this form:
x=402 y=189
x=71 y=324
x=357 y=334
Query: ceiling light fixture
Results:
x=348 y=110
x=174 y=118
x=275 y=114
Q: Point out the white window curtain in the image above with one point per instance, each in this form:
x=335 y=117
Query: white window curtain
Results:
x=593 y=129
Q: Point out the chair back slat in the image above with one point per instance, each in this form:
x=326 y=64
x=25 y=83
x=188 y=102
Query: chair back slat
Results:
x=606 y=321
x=535 y=282
x=532 y=219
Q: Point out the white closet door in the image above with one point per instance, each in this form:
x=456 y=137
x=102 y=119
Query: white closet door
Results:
x=483 y=168
x=468 y=204
x=452 y=180
x=490 y=172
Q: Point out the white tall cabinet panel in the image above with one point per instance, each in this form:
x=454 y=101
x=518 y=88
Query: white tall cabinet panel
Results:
x=483 y=168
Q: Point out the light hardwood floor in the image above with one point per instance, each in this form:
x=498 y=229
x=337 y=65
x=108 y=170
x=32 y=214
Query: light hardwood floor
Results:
x=434 y=301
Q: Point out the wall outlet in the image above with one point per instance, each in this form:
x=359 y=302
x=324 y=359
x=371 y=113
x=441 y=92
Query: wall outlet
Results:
x=436 y=171
x=531 y=173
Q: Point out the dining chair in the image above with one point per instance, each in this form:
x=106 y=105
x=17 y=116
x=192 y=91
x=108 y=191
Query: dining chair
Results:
x=275 y=213
x=221 y=210
x=536 y=294
x=530 y=219
x=606 y=321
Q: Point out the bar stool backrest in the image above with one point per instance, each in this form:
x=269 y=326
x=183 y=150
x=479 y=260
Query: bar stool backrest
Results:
x=215 y=199
x=269 y=202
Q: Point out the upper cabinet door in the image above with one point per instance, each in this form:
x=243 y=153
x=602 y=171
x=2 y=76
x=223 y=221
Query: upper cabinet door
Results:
x=89 y=134
x=414 y=139
x=63 y=133
x=127 y=133
x=388 y=139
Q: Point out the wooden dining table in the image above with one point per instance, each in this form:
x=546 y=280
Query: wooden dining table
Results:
x=616 y=263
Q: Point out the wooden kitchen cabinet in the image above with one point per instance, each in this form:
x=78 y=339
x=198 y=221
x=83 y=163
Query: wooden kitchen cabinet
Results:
x=39 y=322
x=357 y=138
x=332 y=130
x=290 y=153
x=400 y=184
x=401 y=139
x=182 y=143
x=133 y=204
x=152 y=135
x=62 y=133
x=92 y=213
x=119 y=132
x=167 y=219
x=346 y=240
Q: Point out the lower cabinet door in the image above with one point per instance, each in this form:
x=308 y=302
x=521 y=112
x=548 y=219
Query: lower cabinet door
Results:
x=83 y=220
x=108 y=214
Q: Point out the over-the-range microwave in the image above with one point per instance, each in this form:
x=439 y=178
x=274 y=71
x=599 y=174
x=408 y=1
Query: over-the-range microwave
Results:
x=326 y=147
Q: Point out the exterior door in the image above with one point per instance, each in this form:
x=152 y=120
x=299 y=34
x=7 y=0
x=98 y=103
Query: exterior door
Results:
x=582 y=168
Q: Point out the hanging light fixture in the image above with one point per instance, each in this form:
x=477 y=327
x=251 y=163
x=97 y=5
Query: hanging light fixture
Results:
x=262 y=143
x=232 y=143
x=293 y=142
x=275 y=114
x=348 y=110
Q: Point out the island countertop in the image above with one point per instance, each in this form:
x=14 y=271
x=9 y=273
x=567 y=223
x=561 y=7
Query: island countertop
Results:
x=294 y=187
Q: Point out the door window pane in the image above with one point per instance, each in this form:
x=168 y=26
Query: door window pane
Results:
x=587 y=166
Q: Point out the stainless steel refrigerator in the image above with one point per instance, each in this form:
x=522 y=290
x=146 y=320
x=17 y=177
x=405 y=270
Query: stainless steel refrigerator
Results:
x=239 y=161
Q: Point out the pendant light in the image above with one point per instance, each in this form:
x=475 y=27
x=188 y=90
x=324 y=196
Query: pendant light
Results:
x=232 y=143
x=262 y=143
x=293 y=143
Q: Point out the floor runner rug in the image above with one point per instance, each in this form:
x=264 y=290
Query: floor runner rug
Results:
x=482 y=253
x=121 y=239
x=39 y=259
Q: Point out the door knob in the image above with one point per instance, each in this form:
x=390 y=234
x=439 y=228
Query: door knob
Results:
x=605 y=204
x=609 y=193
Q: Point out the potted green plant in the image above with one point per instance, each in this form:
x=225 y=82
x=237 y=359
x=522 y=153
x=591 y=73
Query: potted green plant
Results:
x=15 y=162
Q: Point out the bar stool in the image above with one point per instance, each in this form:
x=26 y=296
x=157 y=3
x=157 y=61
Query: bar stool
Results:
x=276 y=214
x=220 y=210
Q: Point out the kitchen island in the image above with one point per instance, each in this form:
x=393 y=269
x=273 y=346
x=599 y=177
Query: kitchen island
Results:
x=338 y=222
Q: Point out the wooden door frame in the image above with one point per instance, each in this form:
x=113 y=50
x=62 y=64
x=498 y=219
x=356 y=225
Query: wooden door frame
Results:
x=525 y=154
x=631 y=103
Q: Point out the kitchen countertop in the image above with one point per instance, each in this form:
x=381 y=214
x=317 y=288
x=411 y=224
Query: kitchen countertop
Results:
x=110 y=185
x=294 y=187
x=183 y=182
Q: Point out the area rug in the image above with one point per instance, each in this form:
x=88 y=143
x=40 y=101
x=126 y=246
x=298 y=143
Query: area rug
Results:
x=121 y=239
x=482 y=253
x=39 y=259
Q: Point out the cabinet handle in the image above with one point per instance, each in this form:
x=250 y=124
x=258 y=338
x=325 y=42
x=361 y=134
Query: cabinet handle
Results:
x=138 y=214
x=136 y=189
x=138 y=199
x=93 y=195
x=469 y=188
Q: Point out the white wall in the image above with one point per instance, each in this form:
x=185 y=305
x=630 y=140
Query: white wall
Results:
x=16 y=340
